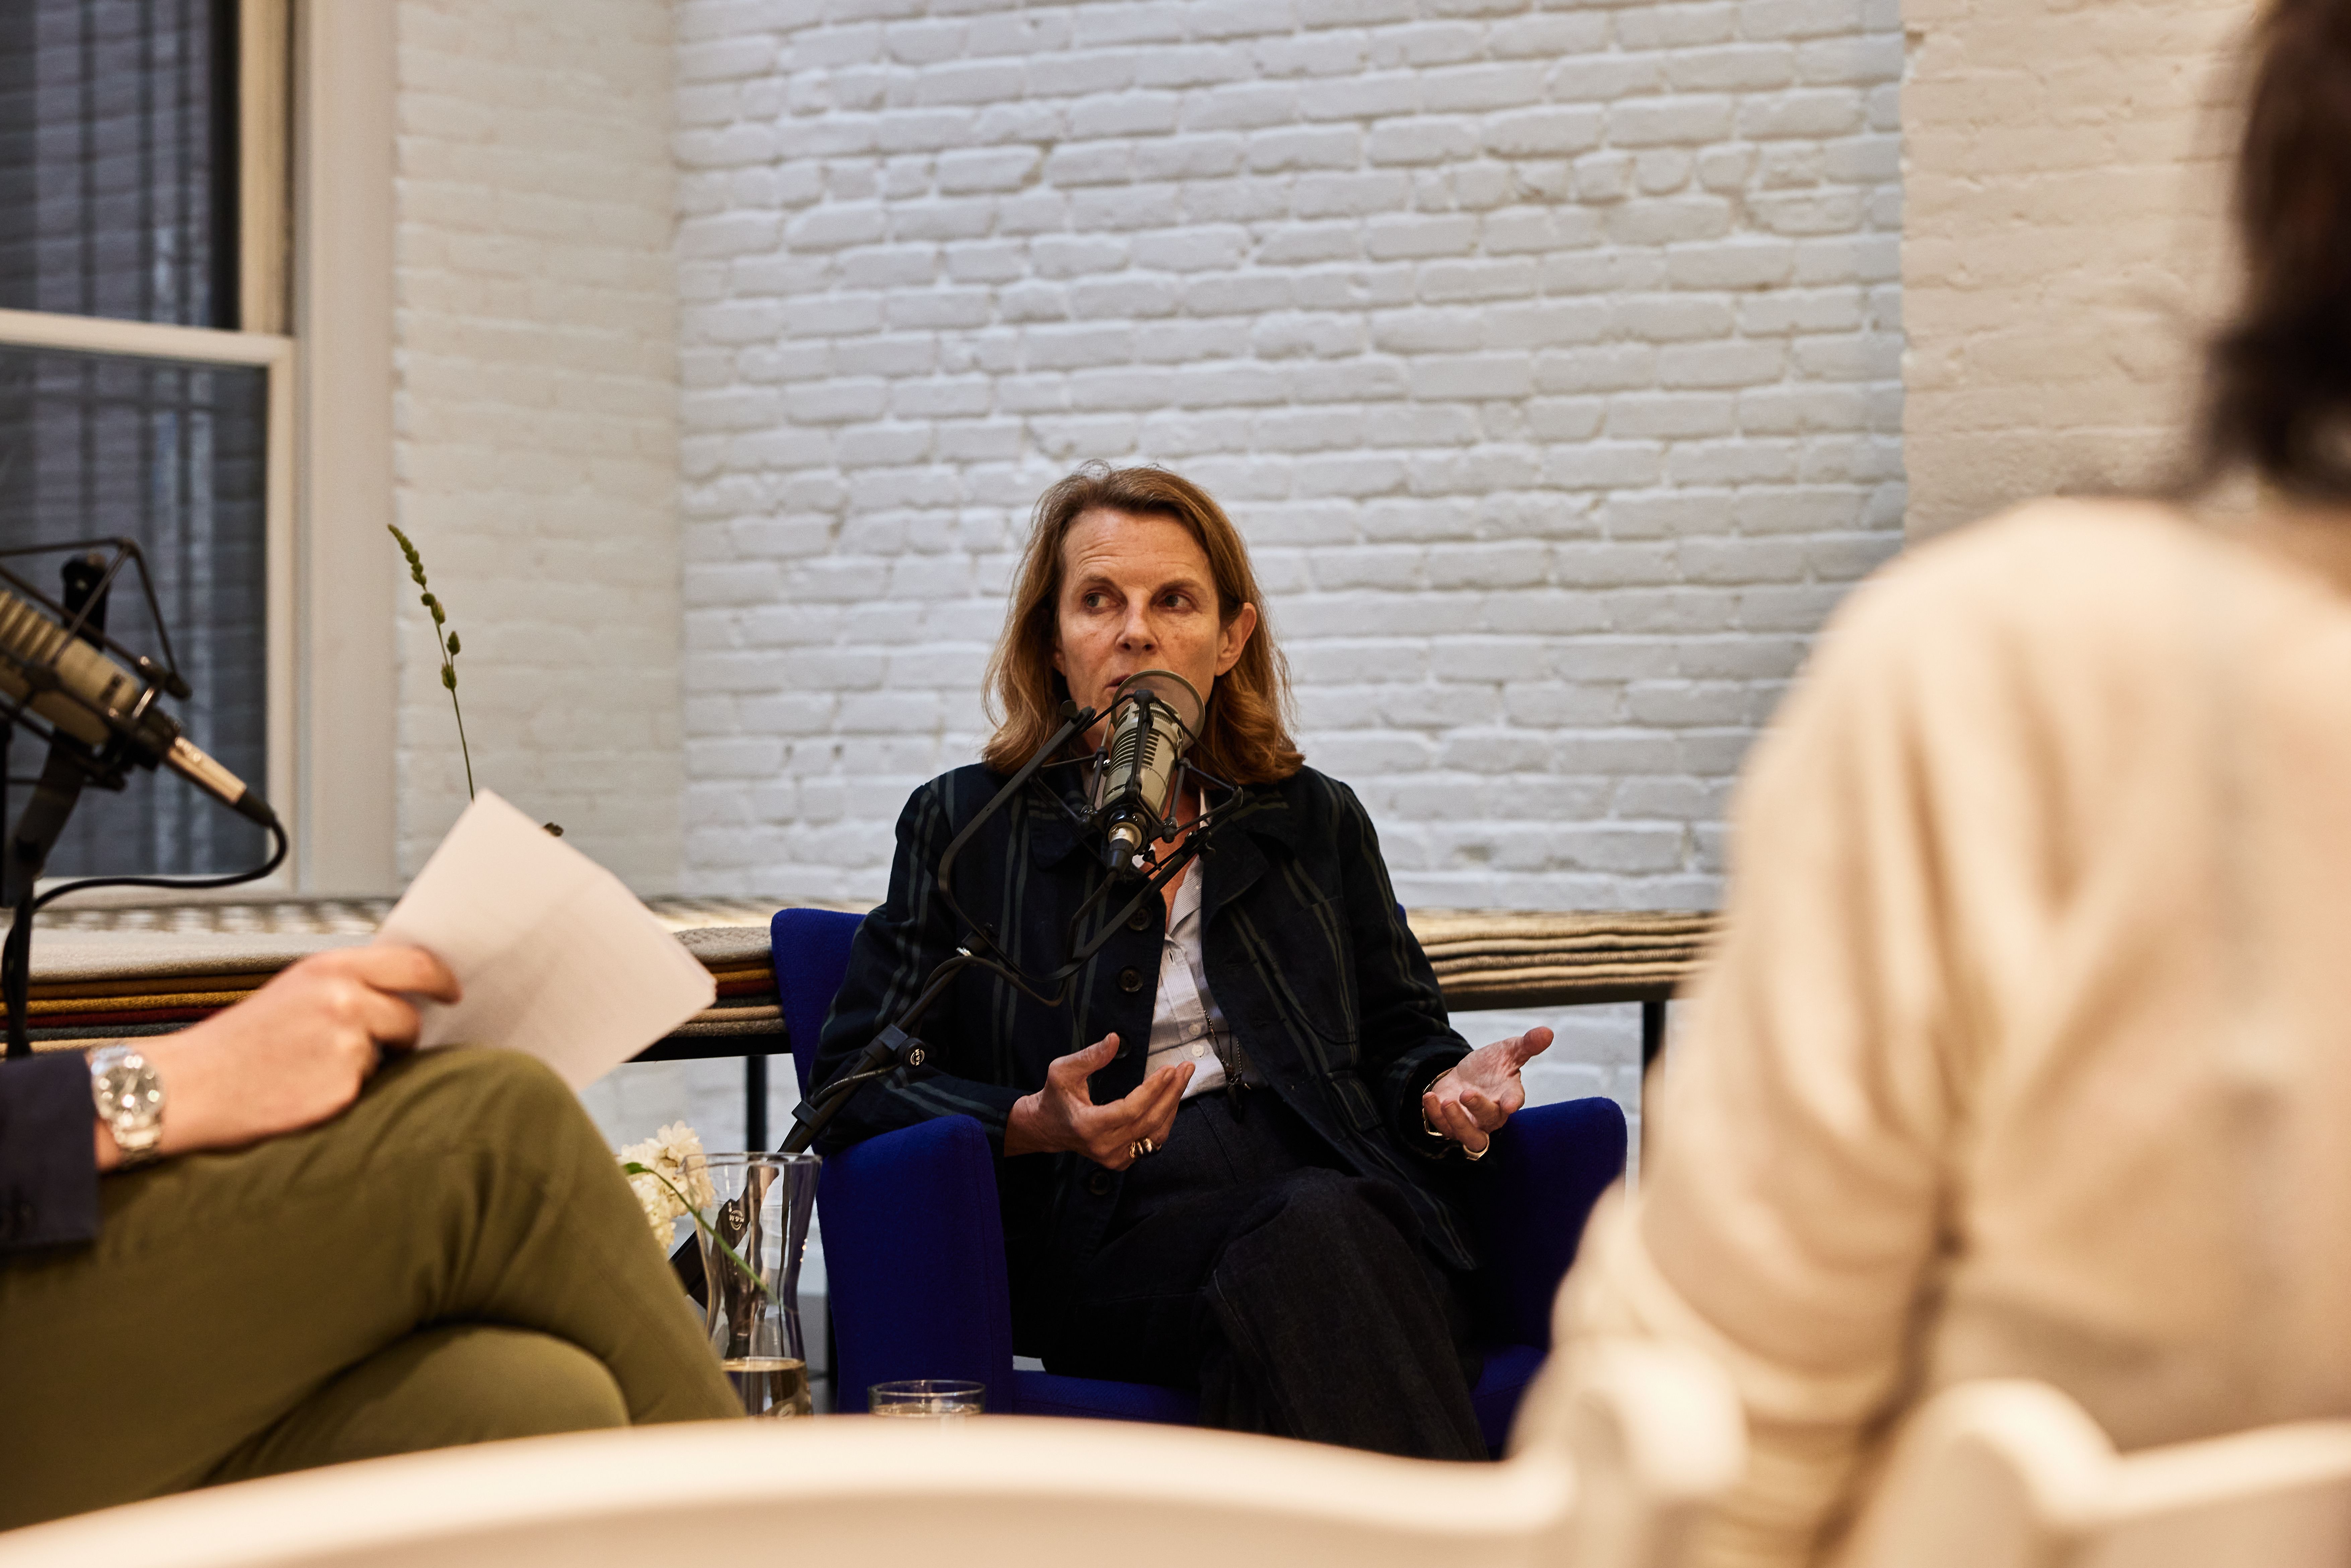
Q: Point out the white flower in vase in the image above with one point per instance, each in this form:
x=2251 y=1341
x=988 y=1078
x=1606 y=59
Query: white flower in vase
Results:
x=674 y=1177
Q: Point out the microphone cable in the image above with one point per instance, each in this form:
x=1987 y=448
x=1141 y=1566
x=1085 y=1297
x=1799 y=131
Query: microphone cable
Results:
x=185 y=885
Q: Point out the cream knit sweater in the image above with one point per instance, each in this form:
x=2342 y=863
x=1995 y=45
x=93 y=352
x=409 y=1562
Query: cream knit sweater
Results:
x=2027 y=1048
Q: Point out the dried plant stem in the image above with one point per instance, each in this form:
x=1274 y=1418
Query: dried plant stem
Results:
x=445 y=641
x=463 y=750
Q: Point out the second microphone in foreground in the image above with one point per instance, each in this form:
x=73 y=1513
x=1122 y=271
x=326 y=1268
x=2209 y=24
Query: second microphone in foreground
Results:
x=83 y=693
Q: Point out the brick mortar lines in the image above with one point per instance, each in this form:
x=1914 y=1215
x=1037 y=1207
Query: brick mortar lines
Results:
x=535 y=420
x=1548 y=358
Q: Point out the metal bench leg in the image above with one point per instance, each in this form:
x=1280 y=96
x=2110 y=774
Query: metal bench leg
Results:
x=755 y=1101
x=1653 y=1034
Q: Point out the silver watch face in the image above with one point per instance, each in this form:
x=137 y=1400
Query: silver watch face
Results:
x=129 y=1097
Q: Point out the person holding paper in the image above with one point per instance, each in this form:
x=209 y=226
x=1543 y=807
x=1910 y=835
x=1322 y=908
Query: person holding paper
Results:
x=1229 y=1158
x=325 y=1246
x=557 y=957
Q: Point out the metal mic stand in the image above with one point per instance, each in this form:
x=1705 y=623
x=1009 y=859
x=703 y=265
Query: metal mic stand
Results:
x=63 y=774
x=894 y=1048
x=60 y=785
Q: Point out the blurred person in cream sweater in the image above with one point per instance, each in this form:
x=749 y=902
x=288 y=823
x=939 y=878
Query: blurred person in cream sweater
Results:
x=2027 y=1048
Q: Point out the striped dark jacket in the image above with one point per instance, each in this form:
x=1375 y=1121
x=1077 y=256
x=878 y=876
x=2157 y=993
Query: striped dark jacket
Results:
x=1321 y=980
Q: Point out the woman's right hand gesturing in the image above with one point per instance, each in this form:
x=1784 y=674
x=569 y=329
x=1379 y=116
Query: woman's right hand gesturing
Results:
x=1062 y=1114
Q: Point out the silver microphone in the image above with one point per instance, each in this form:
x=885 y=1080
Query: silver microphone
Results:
x=1154 y=719
x=84 y=694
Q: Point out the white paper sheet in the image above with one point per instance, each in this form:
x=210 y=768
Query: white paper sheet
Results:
x=557 y=958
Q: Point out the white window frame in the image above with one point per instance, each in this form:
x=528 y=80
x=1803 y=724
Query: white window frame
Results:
x=329 y=625
x=345 y=587
x=266 y=352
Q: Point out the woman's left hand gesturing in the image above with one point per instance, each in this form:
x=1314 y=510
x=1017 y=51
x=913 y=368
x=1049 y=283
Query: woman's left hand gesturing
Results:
x=1478 y=1092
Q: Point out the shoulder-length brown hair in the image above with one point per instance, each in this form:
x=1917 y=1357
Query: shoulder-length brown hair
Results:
x=1246 y=738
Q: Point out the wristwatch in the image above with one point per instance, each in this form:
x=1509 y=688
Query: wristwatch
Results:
x=130 y=1100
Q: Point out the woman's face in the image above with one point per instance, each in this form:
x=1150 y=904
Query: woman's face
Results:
x=1137 y=594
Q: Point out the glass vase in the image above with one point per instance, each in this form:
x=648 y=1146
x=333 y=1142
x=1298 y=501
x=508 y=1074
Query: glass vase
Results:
x=764 y=1202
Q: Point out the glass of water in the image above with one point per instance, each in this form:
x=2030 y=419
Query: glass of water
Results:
x=941 y=1399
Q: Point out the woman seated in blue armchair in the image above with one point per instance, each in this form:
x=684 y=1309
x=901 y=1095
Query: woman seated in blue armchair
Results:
x=1227 y=1158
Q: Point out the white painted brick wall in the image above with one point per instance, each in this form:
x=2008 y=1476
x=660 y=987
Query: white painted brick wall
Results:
x=535 y=343
x=2062 y=254
x=1547 y=356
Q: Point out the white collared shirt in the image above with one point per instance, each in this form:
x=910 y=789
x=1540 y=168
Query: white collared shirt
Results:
x=1185 y=1023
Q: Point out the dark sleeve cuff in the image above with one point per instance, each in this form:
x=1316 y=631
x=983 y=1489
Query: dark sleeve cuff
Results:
x=1412 y=1074
x=49 y=1156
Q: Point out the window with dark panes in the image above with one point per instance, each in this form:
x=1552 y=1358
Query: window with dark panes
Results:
x=120 y=167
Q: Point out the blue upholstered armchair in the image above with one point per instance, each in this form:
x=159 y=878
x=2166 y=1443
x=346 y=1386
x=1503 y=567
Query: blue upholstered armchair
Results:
x=914 y=1249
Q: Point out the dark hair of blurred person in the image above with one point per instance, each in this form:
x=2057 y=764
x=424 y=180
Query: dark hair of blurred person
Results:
x=2278 y=379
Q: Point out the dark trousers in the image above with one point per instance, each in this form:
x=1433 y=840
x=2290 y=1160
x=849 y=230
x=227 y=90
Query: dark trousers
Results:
x=1296 y=1297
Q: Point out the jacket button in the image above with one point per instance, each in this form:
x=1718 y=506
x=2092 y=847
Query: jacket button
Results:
x=1129 y=978
x=1139 y=921
x=1098 y=1183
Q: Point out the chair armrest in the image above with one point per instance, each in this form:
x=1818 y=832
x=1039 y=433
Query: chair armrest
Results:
x=1529 y=1199
x=914 y=1256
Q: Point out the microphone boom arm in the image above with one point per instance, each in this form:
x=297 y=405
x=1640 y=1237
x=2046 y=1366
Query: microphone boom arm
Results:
x=893 y=1047
x=896 y=1047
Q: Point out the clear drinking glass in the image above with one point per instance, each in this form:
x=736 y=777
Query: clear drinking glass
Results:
x=764 y=1202
x=940 y=1399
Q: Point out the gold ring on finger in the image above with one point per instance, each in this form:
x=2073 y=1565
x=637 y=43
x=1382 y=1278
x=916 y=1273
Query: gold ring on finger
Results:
x=1139 y=1147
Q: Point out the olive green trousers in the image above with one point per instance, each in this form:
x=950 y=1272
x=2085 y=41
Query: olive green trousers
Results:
x=456 y=1258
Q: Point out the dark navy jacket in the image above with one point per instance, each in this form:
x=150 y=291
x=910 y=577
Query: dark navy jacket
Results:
x=48 y=1161
x=1321 y=980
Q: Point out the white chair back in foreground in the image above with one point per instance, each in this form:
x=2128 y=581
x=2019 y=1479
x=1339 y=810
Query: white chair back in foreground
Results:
x=999 y=1492
x=1654 y=1435
x=995 y=1492
x=2016 y=1475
